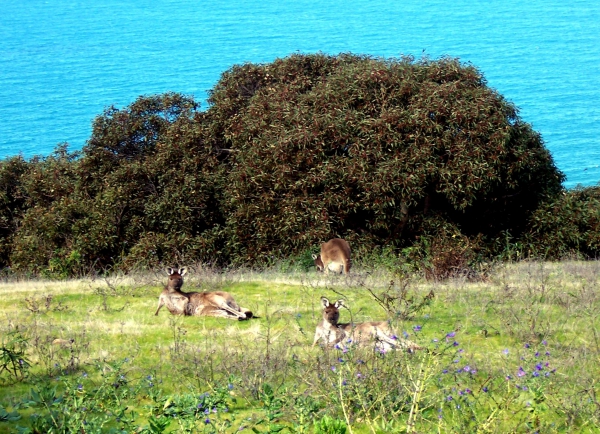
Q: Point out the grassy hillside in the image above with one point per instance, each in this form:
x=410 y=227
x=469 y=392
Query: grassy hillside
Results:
x=516 y=353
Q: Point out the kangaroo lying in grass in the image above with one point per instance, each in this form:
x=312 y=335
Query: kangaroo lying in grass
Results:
x=378 y=333
x=215 y=303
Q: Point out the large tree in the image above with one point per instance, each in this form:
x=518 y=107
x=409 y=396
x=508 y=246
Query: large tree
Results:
x=373 y=150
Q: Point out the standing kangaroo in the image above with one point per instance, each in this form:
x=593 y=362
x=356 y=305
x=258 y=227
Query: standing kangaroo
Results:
x=216 y=303
x=378 y=333
x=335 y=256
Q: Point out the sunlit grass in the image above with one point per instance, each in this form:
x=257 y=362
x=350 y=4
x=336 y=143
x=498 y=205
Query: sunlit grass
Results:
x=480 y=333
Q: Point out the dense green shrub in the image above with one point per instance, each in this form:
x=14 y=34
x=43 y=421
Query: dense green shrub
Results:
x=568 y=226
x=141 y=192
x=418 y=156
x=367 y=148
x=12 y=203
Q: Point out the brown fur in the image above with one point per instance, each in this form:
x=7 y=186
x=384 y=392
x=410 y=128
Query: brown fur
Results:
x=215 y=303
x=335 y=256
x=378 y=333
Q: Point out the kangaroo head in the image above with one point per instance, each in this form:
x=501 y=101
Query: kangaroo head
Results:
x=175 y=281
x=331 y=312
x=318 y=262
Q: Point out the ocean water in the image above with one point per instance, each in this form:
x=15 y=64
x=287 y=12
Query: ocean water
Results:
x=62 y=62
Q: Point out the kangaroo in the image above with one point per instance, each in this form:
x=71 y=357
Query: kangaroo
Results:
x=335 y=256
x=215 y=303
x=172 y=297
x=378 y=332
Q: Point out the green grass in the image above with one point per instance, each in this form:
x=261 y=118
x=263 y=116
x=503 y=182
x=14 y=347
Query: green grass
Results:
x=127 y=370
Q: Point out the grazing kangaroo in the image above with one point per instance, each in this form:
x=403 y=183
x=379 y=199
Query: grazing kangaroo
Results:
x=335 y=256
x=377 y=332
x=216 y=303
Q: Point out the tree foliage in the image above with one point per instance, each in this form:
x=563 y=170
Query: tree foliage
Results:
x=367 y=149
x=569 y=226
x=401 y=153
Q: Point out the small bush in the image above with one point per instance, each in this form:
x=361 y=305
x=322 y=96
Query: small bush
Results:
x=567 y=227
x=328 y=425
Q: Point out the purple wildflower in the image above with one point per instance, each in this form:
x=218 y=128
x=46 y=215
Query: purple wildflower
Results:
x=417 y=328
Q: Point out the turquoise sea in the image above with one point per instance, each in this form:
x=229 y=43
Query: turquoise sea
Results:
x=62 y=62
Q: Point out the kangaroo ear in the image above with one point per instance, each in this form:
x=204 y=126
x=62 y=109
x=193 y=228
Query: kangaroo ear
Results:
x=169 y=270
x=314 y=256
x=325 y=302
x=339 y=303
x=182 y=271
